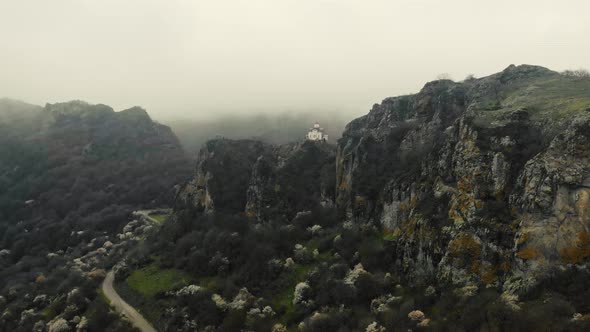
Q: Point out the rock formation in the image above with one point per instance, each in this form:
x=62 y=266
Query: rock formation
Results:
x=259 y=179
x=478 y=182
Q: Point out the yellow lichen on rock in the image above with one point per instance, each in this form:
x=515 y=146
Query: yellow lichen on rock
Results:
x=467 y=251
x=360 y=201
x=343 y=186
x=463 y=201
x=250 y=212
x=489 y=275
x=528 y=253
x=579 y=251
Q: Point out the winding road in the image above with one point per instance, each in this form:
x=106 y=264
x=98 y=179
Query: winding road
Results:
x=123 y=307
x=117 y=302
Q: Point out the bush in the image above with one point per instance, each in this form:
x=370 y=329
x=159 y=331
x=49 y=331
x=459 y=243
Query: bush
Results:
x=577 y=73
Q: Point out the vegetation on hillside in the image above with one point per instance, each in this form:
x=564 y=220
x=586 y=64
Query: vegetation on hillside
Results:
x=70 y=175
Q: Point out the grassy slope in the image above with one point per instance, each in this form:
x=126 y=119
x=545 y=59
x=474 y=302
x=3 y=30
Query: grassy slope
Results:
x=140 y=289
x=160 y=218
x=151 y=280
x=546 y=99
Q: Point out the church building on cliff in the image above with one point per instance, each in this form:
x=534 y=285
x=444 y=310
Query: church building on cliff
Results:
x=316 y=133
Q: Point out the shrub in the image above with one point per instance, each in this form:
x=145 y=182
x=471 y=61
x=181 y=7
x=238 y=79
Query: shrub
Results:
x=576 y=73
x=470 y=78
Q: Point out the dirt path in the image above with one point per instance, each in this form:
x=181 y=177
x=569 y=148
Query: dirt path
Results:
x=123 y=307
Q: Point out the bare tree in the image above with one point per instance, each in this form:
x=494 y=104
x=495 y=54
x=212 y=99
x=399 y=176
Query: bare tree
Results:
x=577 y=73
x=444 y=76
x=470 y=78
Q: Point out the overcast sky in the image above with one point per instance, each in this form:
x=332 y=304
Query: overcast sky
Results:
x=206 y=57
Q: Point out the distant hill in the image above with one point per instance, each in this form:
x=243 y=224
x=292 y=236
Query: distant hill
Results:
x=75 y=166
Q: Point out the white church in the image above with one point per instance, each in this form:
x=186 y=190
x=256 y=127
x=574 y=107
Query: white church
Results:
x=316 y=133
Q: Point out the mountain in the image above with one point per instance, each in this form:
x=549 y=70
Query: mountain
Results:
x=482 y=182
x=70 y=175
x=76 y=157
x=462 y=207
x=18 y=118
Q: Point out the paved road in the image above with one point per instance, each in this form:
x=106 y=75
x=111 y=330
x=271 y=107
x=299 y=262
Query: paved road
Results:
x=123 y=307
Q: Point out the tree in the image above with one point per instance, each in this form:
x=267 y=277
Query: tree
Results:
x=470 y=78
x=444 y=76
x=577 y=73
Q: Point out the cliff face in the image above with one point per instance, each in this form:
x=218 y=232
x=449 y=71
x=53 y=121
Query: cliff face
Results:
x=261 y=180
x=479 y=182
x=222 y=176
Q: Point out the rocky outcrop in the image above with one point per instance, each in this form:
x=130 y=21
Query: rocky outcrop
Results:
x=260 y=180
x=222 y=176
x=552 y=199
x=482 y=182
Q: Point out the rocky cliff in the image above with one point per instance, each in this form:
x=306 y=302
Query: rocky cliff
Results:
x=485 y=181
x=259 y=179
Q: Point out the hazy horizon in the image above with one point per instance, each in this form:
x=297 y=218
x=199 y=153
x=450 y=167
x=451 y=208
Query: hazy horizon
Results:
x=199 y=60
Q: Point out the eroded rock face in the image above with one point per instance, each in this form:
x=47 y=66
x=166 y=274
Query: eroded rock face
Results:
x=222 y=176
x=470 y=184
x=260 y=180
x=553 y=202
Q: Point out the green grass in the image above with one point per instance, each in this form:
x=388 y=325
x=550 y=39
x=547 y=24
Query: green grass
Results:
x=324 y=256
x=552 y=98
x=49 y=312
x=389 y=237
x=160 y=218
x=558 y=96
x=285 y=297
x=151 y=280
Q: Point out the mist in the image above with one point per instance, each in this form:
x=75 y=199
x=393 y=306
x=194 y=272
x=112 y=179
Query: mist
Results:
x=275 y=128
x=205 y=59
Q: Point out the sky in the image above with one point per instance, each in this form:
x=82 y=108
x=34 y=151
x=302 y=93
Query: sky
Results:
x=202 y=58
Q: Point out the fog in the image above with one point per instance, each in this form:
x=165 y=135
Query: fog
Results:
x=202 y=59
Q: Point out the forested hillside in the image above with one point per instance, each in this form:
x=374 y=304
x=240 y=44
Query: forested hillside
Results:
x=71 y=172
